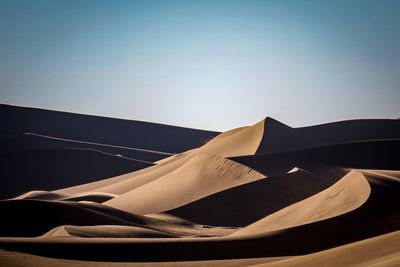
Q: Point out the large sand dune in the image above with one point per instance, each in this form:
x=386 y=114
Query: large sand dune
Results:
x=257 y=199
x=201 y=176
x=264 y=194
x=344 y=196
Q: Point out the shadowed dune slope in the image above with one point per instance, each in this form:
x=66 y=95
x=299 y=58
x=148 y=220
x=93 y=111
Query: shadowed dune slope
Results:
x=378 y=251
x=380 y=154
x=347 y=194
x=137 y=134
x=109 y=231
x=378 y=215
x=266 y=136
x=199 y=177
x=92 y=197
x=354 y=130
x=245 y=204
x=50 y=169
x=279 y=137
x=29 y=141
x=44 y=216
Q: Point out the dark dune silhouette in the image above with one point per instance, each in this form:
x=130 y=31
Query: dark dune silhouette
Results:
x=29 y=141
x=379 y=154
x=136 y=134
x=354 y=130
x=279 y=137
x=56 y=168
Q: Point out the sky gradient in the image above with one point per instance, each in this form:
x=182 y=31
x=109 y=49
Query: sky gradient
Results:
x=203 y=64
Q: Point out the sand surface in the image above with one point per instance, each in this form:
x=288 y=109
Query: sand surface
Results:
x=128 y=193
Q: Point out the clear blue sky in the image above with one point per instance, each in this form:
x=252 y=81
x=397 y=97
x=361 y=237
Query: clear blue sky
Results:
x=203 y=64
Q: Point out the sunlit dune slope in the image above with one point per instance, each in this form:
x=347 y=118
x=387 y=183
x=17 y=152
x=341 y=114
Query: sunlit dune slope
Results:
x=347 y=194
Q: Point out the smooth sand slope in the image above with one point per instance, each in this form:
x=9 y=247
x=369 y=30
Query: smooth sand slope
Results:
x=347 y=194
x=255 y=200
x=236 y=142
x=124 y=183
x=201 y=176
x=241 y=141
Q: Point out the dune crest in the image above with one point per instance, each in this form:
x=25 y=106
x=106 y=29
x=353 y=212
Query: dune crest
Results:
x=236 y=142
x=344 y=196
x=201 y=176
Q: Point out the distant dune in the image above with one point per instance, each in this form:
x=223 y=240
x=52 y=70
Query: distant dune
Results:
x=50 y=169
x=82 y=190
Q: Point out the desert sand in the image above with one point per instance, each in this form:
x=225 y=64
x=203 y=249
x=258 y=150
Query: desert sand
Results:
x=129 y=193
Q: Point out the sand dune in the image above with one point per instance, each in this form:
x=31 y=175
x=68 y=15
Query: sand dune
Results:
x=262 y=194
x=43 y=216
x=240 y=141
x=45 y=195
x=257 y=199
x=41 y=195
x=389 y=174
x=378 y=251
x=120 y=132
x=354 y=130
x=31 y=141
x=236 y=142
x=279 y=137
x=199 y=177
x=376 y=154
x=124 y=183
x=57 y=168
x=347 y=194
x=110 y=231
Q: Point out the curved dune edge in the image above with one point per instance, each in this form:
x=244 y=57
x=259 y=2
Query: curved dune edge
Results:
x=243 y=205
x=19 y=259
x=199 y=177
x=110 y=231
x=98 y=197
x=377 y=251
x=42 y=195
x=346 y=195
x=236 y=142
x=124 y=183
x=388 y=174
